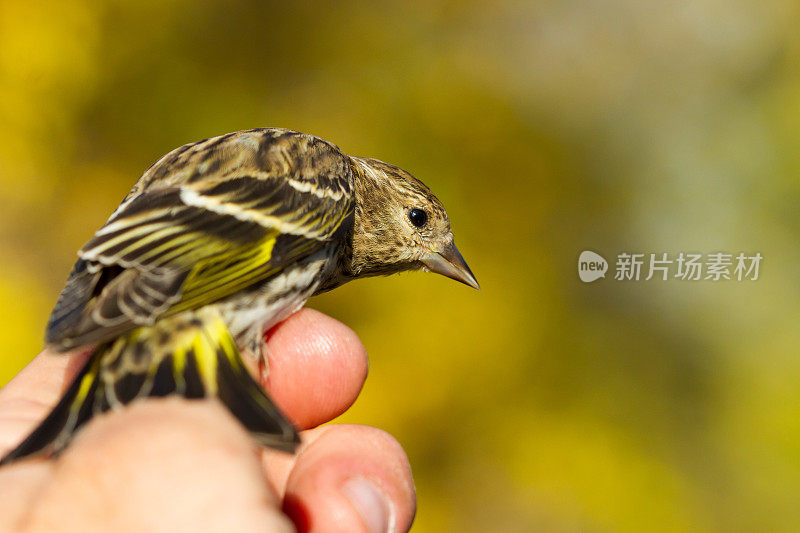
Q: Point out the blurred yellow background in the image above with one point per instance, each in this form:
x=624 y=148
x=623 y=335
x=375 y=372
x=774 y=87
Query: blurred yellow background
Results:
x=547 y=128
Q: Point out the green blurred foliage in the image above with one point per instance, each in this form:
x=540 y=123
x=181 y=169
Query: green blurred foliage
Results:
x=547 y=128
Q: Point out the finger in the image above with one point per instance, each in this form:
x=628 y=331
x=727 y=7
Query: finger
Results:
x=317 y=367
x=46 y=376
x=167 y=464
x=30 y=395
x=346 y=478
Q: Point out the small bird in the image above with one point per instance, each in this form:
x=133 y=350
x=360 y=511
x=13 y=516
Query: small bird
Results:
x=217 y=242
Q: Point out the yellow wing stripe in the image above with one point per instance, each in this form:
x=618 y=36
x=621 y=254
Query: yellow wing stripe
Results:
x=200 y=287
x=178 y=241
x=208 y=275
x=194 y=242
x=86 y=384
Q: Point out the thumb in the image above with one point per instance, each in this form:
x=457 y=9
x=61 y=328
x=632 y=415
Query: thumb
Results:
x=160 y=465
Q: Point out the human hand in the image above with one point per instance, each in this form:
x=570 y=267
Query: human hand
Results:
x=177 y=465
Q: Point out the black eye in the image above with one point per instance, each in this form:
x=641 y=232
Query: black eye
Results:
x=418 y=217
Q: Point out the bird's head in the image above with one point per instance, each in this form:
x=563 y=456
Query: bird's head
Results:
x=400 y=225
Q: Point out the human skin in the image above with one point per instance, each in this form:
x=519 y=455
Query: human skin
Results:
x=172 y=464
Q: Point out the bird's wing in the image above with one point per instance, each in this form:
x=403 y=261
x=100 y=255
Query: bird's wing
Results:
x=222 y=216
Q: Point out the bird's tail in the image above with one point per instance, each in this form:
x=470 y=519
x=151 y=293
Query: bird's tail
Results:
x=191 y=354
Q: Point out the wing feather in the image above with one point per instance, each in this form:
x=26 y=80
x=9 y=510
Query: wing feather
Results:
x=208 y=220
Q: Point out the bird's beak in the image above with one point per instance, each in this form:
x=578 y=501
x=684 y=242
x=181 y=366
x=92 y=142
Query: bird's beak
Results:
x=448 y=262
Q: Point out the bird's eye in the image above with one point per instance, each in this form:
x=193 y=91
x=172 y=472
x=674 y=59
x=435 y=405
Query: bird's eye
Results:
x=418 y=217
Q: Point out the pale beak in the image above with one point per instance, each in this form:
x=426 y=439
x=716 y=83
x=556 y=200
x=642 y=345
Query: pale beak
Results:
x=448 y=262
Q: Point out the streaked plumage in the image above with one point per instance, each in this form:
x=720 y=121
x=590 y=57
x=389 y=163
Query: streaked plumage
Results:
x=218 y=241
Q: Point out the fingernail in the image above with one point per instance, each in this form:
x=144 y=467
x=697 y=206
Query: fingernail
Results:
x=369 y=502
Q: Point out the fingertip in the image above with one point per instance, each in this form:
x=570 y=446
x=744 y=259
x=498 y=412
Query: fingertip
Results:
x=351 y=478
x=317 y=367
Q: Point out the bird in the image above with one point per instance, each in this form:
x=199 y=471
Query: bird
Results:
x=217 y=242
